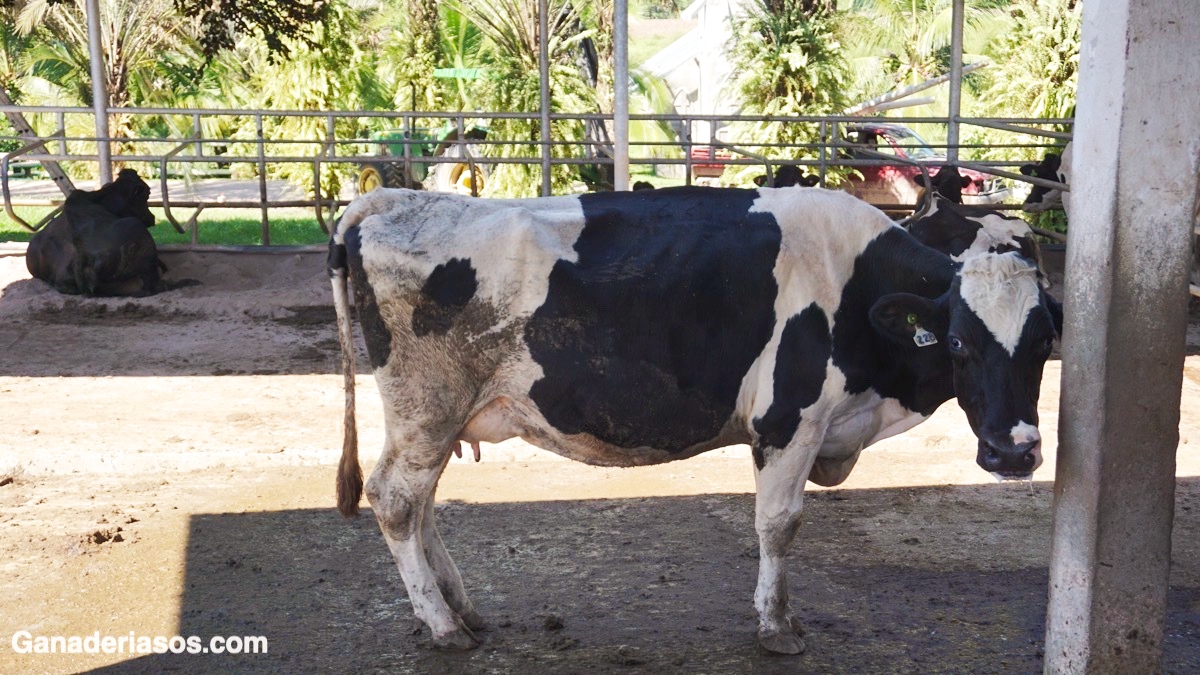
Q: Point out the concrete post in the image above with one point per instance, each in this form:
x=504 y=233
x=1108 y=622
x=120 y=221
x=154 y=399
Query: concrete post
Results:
x=956 y=75
x=1133 y=206
x=621 y=95
x=544 y=77
x=99 y=90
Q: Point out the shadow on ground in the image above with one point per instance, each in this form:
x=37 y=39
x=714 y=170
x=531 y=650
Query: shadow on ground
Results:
x=654 y=584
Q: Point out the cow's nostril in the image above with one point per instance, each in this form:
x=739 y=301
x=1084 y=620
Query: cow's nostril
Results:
x=991 y=460
x=1029 y=459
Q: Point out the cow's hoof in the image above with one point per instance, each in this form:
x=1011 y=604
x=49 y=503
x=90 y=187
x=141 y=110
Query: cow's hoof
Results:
x=781 y=642
x=473 y=621
x=459 y=640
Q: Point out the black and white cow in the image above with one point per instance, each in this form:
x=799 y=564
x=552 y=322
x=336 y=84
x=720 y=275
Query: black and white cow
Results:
x=961 y=232
x=624 y=329
x=947 y=182
x=1052 y=167
x=100 y=244
x=788 y=175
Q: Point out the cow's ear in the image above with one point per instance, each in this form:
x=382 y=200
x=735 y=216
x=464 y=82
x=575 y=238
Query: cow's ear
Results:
x=1028 y=169
x=1056 y=312
x=901 y=316
x=964 y=181
x=919 y=179
x=760 y=180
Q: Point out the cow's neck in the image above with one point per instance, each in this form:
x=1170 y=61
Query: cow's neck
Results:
x=920 y=378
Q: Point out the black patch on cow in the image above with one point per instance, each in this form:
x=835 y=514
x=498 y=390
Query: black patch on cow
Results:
x=445 y=293
x=947 y=230
x=335 y=260
x=379 y=340
x=919 y=377
x=644 y=341
x=804 y=349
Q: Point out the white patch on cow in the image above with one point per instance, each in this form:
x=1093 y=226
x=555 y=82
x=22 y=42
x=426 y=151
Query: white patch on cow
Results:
x=1023 y=433
x=823 y=231
x=1000 y=289
x=995 y=231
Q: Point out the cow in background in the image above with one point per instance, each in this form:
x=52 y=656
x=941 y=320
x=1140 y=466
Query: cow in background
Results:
x=1052 y=167
x=100 y=245
x=948 y=183
x=788 y=175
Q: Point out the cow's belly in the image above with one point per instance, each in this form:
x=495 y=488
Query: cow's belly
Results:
x=865 y=419
x=516 y=416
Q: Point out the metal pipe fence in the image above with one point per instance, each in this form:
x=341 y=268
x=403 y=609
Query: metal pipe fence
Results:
x=253 y=145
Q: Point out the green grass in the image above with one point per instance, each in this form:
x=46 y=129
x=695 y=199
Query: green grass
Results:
x=226 y=227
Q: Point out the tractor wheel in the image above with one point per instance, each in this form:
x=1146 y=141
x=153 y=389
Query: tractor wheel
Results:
x=374 y=175
x=457 y=176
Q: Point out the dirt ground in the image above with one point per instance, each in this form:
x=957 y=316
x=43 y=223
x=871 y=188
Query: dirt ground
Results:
x=167 y=469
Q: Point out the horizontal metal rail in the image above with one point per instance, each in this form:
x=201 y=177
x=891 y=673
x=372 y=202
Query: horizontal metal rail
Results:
x=335 y=148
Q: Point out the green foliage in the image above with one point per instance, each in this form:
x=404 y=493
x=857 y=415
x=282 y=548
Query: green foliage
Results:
x=894 y=43
x=788 y=59
x=512 y=84
x=280 y=23
x=1036 y=68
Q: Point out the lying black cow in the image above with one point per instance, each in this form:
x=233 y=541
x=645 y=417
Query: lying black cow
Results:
x=622 y=330
x=100 y=243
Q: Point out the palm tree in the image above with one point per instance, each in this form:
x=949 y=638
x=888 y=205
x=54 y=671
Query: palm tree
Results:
x=788 y=62
x=512 y=84
x=135 y=36
x=898 y=42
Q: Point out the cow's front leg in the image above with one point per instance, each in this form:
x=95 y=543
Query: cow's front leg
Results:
x=778 y=505
x=399 y=489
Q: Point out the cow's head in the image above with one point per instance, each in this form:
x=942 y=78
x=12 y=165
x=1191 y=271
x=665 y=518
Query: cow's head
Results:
x=788 y=175
x=1044 y=198
x=126 y=197
x=996 y=326
x=948 y=183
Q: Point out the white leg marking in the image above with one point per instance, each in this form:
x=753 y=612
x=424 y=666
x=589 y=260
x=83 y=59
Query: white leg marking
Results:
x=449 y=579
x=778 y=505
x=399 y=490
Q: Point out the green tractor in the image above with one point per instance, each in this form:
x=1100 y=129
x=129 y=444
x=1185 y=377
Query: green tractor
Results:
x=466 y=176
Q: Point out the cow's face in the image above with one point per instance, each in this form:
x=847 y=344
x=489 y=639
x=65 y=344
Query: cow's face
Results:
x=127 y=197
x=997 y=328
x=1044 y=198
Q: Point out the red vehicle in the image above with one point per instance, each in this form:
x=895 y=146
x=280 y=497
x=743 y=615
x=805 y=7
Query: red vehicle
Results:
x=894 y=183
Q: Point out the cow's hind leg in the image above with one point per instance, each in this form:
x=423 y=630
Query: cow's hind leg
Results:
x=399 y=489
x=448 y=578
x=778 y=505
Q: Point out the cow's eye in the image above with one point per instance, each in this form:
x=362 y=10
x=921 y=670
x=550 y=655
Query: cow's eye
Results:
x=956 y=345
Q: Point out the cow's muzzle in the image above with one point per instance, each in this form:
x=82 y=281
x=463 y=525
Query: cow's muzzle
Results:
x=1010 y=459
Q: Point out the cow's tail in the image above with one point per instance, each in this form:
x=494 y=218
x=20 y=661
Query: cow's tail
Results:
x=349 y=476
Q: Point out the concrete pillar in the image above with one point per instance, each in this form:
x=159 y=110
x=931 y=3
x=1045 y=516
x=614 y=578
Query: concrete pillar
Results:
x=1133 y=205
x=621 y=95
x=99 y=91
